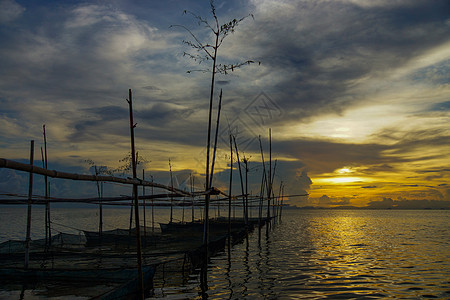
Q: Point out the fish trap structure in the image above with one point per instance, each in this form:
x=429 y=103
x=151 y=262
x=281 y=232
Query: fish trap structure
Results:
x=123 y=263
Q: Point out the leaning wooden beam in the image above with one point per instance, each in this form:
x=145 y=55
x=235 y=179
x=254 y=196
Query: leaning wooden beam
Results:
x=10 y=164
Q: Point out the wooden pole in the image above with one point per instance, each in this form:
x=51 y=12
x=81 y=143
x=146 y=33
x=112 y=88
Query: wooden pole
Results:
x=192 y=197
x=229 y=193
x=264 y=180
x=273 y=192
x=45 y=212
x=261 y=198
x=208 y=144
x=47 y=204
x=171 y=198
x=240 y=175
x=269 y=180
x=246 y=189
x=100 y=208
x=281 y=202
x=143 y=202
x=153 y=209
x=30 y=200
x=136 y=200
x=130 y=226
x=215 y=139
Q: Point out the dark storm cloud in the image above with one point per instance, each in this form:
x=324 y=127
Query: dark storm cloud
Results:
x=98 y=121
x=325 y=46
x=169 y=122
x=108 y=113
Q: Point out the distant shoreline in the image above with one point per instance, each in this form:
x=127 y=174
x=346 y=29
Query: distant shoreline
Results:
x=363 y=208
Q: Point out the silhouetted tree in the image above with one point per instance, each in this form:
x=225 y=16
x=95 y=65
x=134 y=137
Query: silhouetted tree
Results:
x=207 y=51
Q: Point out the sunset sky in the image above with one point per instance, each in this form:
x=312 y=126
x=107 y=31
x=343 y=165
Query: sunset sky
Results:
x=356 y=92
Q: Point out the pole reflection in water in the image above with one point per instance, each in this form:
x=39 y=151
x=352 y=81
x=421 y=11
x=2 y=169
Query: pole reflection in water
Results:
x=247 y=271
x=204 y=275
x=228 y=269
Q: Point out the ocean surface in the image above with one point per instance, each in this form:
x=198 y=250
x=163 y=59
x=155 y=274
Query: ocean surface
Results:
x=309 y=254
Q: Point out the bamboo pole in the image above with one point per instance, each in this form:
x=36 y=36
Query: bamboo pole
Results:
x=130 y=226
x=30 y=200
x=136 y=199
x=143 y=202
x=261 y=199
x=100 y=202
x=10 y=164
x=171 y=198
x=153 y=208
x=279 y=200
x=282 y=198
x=100 y=207
x=269 y=188
x=246 y=189
x=182 y=213
x=191 y=179
x=264 y=179
x=45 y=211
x=47 y=205
x=229 y=193
x=208 y=143
x=240 y=175
x=215 y=139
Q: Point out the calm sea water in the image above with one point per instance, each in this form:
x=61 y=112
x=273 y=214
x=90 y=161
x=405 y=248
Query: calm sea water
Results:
x=340 y=254
x=310 y=254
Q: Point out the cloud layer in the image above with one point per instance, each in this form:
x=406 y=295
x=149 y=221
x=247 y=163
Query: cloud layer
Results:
x=361 y=85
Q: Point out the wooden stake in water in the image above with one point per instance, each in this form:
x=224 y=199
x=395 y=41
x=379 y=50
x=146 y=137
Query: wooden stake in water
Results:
x=264 y=177
x=192 y=197
x=282 y=198
x=143 y=202
x=153 y=208
x=215 y=139
x=171 y=197
x=136 y=200
x=48 y=228
x=242 y=183
x=269 y=189
x=229 y=194
x=245 y=160
x=100 y=217
x=30 y=200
